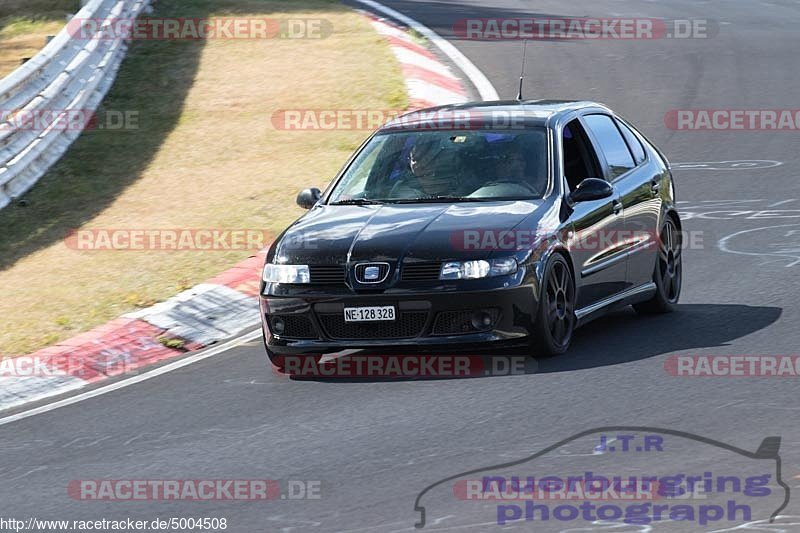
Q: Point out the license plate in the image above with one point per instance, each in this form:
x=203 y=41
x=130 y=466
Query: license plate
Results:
x=369 y=314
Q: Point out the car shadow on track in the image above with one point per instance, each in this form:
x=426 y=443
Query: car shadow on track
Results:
x=626 y=336
x=621 y=337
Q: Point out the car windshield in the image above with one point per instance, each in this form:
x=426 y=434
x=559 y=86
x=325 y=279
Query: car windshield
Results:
x=431 y=166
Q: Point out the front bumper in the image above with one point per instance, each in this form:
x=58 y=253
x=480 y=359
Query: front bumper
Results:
x=314 y=323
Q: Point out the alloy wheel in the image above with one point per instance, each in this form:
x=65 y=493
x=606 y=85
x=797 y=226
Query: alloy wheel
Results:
x=560 y=299
x=669 y=262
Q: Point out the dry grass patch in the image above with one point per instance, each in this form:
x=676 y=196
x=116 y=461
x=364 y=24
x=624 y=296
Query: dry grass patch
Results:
x=205 y=156
x=24 y=26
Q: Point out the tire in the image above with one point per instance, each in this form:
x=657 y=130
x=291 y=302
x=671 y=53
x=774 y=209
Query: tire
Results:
x=668 y=272
x=555 y=319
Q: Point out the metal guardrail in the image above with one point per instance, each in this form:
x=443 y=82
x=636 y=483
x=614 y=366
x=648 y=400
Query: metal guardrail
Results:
x=71 y=74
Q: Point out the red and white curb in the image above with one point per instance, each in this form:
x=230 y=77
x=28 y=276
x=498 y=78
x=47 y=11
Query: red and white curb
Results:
x=220 y=308
x=429 y=82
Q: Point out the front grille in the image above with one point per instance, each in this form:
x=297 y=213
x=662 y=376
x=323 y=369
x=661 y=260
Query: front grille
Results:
x=361 y=269
x=459 y=322
x=408 y=324
x=297 y=327
x=421 y=271
x=327 y=274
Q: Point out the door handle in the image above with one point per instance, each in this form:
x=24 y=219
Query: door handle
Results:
x=655 y=186
x=617 y=207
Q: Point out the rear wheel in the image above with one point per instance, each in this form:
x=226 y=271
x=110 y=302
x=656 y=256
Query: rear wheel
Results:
x=555 y=320
x=668 y=274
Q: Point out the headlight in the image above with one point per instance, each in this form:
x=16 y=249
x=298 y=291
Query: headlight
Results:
x=286 y=273
x=478 y=269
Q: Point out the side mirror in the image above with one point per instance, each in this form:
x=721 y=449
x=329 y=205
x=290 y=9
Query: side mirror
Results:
x=308 y=197
x=591 y=189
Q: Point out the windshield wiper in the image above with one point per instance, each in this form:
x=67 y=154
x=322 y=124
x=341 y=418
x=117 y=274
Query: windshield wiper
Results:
x=435 y=199
x=357 y=201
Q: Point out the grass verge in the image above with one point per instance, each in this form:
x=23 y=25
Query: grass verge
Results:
x=25 y=25
x=204 y=155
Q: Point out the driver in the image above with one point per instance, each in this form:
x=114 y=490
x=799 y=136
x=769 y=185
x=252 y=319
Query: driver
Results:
x=511 y=165
x=434 y=171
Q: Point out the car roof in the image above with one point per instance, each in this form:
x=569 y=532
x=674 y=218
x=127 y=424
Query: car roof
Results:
x=531 y=112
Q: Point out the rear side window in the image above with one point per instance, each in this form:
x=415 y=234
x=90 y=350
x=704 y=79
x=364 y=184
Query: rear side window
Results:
x=633 y=142
x=611 y=143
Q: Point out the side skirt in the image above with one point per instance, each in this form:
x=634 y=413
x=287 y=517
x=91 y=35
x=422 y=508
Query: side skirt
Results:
x=642 y=293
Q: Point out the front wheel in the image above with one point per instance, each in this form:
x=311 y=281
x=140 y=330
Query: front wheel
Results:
x=668 y=273
x=555 y=320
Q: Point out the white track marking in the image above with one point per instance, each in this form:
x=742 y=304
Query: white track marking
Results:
x=746 y=164
x=133 y=380
x=723 y=245
x=764 y=525
x=478 y=79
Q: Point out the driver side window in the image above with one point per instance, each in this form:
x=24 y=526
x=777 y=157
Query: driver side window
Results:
x=580 y=161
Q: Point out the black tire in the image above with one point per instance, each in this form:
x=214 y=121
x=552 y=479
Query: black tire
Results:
x=555 y=319
x=668 y=272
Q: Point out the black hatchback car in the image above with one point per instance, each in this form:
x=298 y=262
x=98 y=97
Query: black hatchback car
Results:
x=465 y=225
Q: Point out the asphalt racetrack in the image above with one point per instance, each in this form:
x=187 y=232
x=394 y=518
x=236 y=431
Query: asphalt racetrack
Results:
x=368 y=448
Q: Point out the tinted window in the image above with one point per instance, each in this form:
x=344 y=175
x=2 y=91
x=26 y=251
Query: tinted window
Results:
x=611 y=143
x=580 y=161
x=633 y=142
x=421 y=164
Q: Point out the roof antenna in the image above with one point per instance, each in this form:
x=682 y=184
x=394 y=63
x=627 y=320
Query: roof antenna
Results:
x=522 y=74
